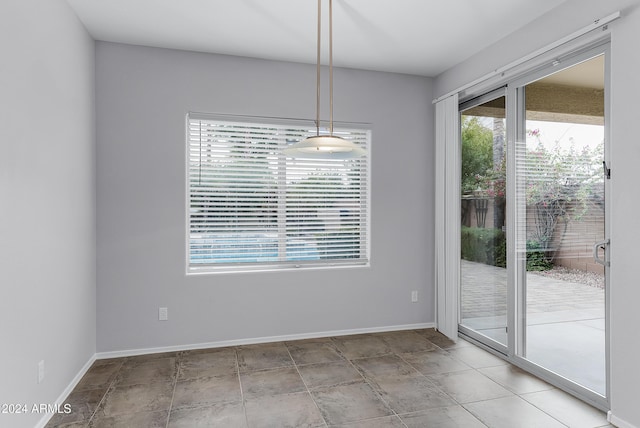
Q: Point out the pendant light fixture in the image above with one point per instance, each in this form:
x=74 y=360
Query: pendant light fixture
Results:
x=325 y=146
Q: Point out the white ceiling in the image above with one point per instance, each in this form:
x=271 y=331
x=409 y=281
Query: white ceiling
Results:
x=423 y=37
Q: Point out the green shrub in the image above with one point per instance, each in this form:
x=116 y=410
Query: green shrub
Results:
x=489 y=246
x=482 y=245
x=536 y=260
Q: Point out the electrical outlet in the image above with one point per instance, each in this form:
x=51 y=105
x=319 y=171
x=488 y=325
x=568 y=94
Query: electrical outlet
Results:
x=163 y=314
x=414 y=296
x=40 y=371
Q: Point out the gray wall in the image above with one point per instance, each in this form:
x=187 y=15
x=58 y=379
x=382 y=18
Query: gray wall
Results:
x=142 y=97
x=47 y=202
x=625 y=154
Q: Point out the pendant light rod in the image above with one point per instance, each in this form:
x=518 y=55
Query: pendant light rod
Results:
x=325 y=146
x=318 y=72
x=331 y=67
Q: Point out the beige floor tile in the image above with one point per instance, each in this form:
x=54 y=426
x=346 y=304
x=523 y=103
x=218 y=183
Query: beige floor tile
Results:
x=283 y=411
x=361 y=346
x=476 y=357
x=404 y=342
x=384 y=422
x=329 y=374
x=435 y=362
x=263 y=356
x=384 y=366
x=428 y=332
x=148 y=357
x=515 y=380
x=469 y=386
x=223 y=352
x=206 y=391
x=99 y=376
x=83 y=404
x=443 y=341
x=405 y=371
x=313 y=351
x=406 y=394
x=104 y=361
x=349 y=403
x=80 y=424
x=148 y=371
x=207 y=363
x=567 y=409
x=510 y=412
x=136 y=399
x=216 y=415
x=442 y=417
x=271 y=382
x=141 y=419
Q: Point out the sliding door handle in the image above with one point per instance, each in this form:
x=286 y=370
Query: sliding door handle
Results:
x=605 y=247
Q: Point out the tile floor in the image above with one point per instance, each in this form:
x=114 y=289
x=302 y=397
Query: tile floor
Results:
x=399 y=379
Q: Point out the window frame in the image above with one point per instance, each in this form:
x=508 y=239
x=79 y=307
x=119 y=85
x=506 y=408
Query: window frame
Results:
x=281 y=265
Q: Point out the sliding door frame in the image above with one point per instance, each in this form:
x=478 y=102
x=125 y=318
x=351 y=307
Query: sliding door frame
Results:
x=467 y=331
x=515 y=135
x=516 y=257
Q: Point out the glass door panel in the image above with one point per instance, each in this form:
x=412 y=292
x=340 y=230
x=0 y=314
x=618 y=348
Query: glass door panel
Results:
x=561 y=217
x=483 y=273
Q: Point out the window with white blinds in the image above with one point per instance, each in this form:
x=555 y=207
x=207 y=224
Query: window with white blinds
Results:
x=251 y=207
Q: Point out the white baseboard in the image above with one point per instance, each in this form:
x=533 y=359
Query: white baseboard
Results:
x=60 y=401
x=620 y=423
x=256 y=340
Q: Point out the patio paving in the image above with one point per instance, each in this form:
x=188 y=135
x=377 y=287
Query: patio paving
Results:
x=565 y=320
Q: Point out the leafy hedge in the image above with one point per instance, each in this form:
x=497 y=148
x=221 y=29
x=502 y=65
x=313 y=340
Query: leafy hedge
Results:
x=489 y=246
x=536 y=259
x=481 y=245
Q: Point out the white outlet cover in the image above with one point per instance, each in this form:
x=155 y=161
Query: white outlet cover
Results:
x=163 y=314
x=414 y=296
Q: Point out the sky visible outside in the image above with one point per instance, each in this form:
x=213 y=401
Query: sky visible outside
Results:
x=565 y=133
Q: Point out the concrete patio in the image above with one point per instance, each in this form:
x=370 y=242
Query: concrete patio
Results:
x=565 y=320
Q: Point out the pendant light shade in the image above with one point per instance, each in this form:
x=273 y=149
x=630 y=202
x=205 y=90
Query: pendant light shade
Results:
x=325 y=146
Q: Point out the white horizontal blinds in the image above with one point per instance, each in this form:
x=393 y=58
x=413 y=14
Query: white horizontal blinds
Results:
x=249 y=204
x=233 y=191
x=326 y=202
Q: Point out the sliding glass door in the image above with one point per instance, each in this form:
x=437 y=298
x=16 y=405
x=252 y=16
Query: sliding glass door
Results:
x=561 y=222
x=534 y=262
x=483 y=263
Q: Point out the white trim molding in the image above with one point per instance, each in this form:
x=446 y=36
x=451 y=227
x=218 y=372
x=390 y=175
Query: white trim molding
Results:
x=618 y=422
x=63 y=396
x=257 y=340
